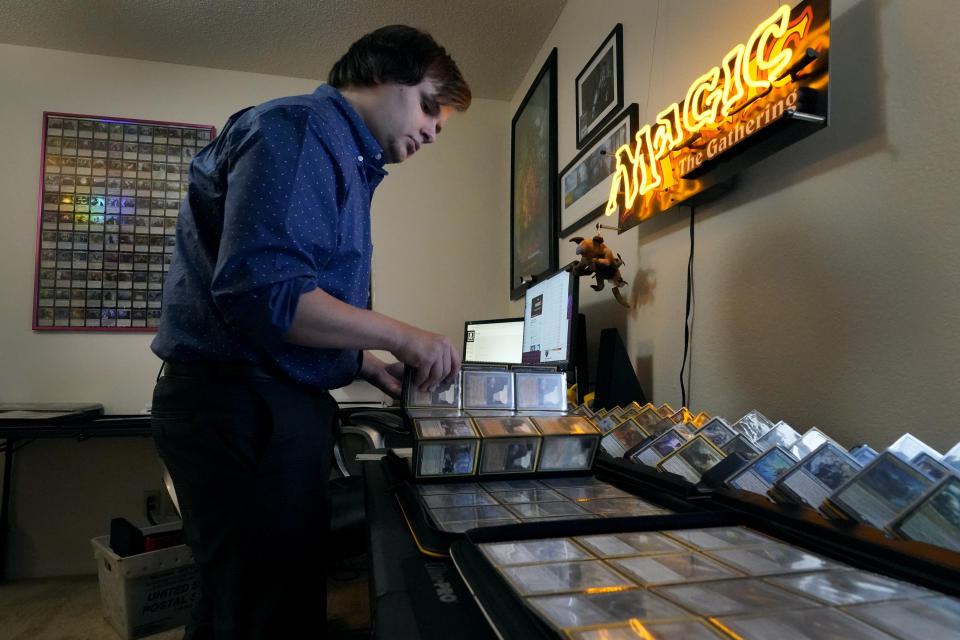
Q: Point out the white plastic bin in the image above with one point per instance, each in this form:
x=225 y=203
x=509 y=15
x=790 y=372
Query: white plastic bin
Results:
x=149 y=592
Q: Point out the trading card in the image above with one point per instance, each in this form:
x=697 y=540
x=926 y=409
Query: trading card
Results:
x=54 y=126
x=716 y=431
x=447 y=458
x=567 y=453
x=509 y=455
x=608 y=422
x=773 y=558
x=445 y=500
x=445 y=428
x=930 y=466
x=541 y=391
x=848 y=586
x=564 y=425
x=647 y=417
x=681 y=415
x=686 y=429
x=907 y=447
x=582 y=410
x=622 y=507
x=665 y=410
x=731 y=597
x=574 y=481
x=952 y=457
x=762 y=471
x=718 y=537
x=46 y=297
x=664 y=444
x=624 y=437
x=881 y=490
x=676 y=630
x=807 y=443
x=85 y=128
x=692 y=459
x=464 y=514
x=527 y=510
x=661 y=427
x=920 y=618
x=753 y=425
x=589 y=609
x=935 y=517
x=672 y=568
x=616 y=411
x=512 y=485
x=517 y=496
x=45 y=317
x=592 y=492
x=615 y=545
x=812 y=624
x=503 y=554
x=462 y=526
x=559 y=577
x=506 y=426
x=781 y=433
x=445 y=395
x=449 y=487
x=484 y=389
x=813 y=479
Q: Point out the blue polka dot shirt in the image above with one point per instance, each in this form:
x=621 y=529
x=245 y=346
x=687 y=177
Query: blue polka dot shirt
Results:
x=278 y=205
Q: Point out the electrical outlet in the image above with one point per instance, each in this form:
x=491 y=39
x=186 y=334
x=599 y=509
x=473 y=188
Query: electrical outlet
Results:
x=151 y=503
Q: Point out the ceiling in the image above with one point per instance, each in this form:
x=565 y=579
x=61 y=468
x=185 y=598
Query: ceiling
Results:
x=493 y=41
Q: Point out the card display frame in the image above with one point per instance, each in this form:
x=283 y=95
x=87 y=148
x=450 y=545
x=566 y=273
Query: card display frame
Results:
x=106 y=218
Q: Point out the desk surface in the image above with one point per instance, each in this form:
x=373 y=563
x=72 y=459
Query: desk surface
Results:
x=414 y=596
x=97 y=426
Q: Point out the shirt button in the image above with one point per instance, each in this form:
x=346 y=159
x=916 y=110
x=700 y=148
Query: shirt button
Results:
x=359 y=158
x=377 y=157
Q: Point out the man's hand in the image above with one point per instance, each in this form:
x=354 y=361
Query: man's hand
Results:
x=431 y=354
x=386 y=377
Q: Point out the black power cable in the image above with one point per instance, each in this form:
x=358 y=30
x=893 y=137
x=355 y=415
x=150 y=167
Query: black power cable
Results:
x=687 y=320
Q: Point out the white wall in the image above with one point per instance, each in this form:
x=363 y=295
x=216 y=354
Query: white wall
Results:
x=439 y=225
x=827 y=283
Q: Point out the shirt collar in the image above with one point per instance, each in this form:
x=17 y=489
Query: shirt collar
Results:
x=371 y=153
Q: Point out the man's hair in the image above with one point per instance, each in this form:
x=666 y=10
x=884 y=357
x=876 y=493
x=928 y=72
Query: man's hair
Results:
x=403 y=55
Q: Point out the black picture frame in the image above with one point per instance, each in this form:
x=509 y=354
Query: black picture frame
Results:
x=599 y=87
x=533 y=182
x=583 y=186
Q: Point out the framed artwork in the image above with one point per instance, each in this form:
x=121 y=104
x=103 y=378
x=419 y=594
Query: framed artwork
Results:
x=585 y=183
x=110 y=191
x=599 y=87
x=533 y=182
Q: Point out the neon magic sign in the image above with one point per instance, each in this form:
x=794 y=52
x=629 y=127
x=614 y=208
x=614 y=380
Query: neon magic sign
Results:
x=765 y=94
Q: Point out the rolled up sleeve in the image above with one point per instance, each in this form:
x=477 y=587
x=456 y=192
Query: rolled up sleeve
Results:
x=280 y=225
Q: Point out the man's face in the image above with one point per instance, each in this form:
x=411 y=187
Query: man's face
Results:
x=403 y=118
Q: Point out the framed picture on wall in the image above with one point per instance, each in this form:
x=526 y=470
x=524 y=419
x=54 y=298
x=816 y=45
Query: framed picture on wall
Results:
x=110 y=191
x=584 y=184
x=599 y=87
x=533 y=182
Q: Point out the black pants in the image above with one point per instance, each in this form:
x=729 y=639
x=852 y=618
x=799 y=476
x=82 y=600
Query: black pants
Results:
x=250 y=461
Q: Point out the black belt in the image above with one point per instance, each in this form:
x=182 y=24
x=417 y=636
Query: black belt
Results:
x=212 y=369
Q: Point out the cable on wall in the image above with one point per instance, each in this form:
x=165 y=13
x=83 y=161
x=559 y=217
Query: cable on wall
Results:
x=688 y=317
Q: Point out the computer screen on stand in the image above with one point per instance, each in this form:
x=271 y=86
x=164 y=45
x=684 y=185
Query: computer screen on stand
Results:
x=497 y=341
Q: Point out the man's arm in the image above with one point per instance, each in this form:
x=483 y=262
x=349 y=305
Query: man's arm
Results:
x=325 y=322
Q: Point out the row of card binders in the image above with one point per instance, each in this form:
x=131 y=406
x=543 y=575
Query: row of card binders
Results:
x=910 y=490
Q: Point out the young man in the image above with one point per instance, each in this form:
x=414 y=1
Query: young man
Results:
x=264 y=311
